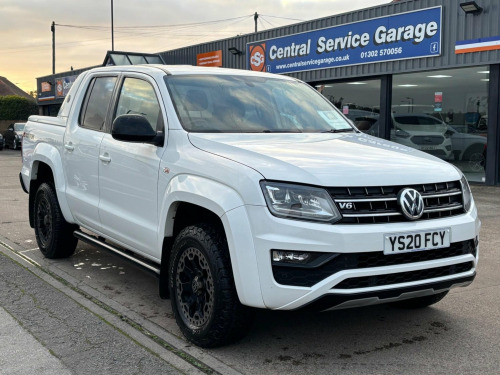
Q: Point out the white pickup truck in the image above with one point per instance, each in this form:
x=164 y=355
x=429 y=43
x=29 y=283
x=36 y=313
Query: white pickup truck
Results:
x=244 y=190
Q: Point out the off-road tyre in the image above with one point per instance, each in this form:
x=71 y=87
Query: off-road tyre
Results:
x=202 y=291
x=420 y=302
x=53 y=234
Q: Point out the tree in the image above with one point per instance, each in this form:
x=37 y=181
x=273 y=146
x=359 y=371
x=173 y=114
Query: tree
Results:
x=14 y=107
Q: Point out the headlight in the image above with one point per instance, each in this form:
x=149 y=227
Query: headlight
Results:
x=401 y=134
x=299 y=202
x=466 y=194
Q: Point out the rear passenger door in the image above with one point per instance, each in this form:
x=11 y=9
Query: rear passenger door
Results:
x=81 y=149
x=128 y=172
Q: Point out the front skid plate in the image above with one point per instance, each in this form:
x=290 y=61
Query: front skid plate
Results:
x=331 y=301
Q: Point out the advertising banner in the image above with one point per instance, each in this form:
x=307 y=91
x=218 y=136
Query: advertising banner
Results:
x=213 y=58
x=45 y=92
x=45 y=87
x=63 y=85
x=408 y=35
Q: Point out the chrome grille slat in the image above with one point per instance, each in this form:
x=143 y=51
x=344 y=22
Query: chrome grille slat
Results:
x=378 y=204
x=373 y=215
x=441 y=195
x=444 y=209
x=365 y=200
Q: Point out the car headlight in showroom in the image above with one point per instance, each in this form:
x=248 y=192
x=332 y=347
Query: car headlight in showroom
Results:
x=299 y=202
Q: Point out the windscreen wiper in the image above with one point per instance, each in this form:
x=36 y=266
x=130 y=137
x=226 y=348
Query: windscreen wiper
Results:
x=282 y=131
x=345 y=130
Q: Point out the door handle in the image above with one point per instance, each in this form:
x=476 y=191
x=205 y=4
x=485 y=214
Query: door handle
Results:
x=69 y=146
x=105 y=158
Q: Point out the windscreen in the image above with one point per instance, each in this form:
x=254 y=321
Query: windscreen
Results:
x=249 y=104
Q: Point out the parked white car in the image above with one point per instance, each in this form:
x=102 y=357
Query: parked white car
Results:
x=423 y=132
x=244 y=190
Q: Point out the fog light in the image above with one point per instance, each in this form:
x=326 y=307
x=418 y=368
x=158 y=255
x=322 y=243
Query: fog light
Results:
x=297 y=257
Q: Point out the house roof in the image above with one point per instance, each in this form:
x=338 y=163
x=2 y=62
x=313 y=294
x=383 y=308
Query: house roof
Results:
x=8 y=88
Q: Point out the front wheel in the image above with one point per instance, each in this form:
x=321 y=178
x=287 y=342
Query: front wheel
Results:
x=53 y=234
x=14 y=144
x=420 y=302
x=202 y=290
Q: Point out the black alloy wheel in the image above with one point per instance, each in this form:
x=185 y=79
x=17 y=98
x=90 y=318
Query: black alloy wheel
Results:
x=195 y=288
x=53 y=234
x=43 y=220
x=202 y=291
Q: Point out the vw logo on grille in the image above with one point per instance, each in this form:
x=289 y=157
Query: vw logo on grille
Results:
x=411 y=203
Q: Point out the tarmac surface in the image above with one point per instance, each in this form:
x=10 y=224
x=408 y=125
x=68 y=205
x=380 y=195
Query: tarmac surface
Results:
x=94 y=313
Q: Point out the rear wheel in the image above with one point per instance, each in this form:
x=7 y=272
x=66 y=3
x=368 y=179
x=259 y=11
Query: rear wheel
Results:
x=53 y=234
x=420 y=302
x=202 y=291
x=14 y=144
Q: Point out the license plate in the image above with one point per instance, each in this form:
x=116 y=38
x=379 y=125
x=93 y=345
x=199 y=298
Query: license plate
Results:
x=397 y=243
x=427 y=148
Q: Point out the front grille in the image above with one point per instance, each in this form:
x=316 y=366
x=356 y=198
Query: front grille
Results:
x=301 y=276
x=404 y=277
x=378 y=204
x=427 y=140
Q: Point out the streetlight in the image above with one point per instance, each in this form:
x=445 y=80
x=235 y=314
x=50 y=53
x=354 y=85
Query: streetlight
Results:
x=112 y=29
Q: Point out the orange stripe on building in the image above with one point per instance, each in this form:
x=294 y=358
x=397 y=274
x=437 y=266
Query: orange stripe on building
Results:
x=476 y=49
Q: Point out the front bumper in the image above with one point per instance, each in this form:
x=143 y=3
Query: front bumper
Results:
x=266 y=232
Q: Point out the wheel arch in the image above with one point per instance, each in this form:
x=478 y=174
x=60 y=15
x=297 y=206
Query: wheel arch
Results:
x=46 y=166
x=473 y=149
x=192 y=199
x=194 y=193
x=182 y=214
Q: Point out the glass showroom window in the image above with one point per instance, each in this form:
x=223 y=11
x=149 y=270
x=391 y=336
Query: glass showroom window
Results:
x=444 y=113
x=359 y=101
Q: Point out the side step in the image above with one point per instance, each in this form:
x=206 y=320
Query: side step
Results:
x=150 y=266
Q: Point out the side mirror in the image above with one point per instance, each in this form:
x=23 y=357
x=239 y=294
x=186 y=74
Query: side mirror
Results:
x=135 y=128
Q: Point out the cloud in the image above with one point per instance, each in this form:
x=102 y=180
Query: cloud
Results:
x=26 y=48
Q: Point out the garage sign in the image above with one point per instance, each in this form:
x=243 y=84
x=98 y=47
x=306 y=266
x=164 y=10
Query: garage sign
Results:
x=409 y=35
x=63 y=85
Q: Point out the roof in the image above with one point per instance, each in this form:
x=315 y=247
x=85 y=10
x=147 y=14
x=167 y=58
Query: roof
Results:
x=188 y=69
x=8 y=88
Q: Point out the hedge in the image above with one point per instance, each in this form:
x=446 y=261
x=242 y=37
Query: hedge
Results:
x=14 y=107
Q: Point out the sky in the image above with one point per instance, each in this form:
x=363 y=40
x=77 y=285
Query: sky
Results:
x=83 y=28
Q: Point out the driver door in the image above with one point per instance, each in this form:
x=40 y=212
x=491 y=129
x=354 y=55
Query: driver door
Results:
x=128 y=172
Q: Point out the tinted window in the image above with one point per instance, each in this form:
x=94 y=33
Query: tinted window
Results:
x=97 y=102
x=138 y=97
x=408 y=120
